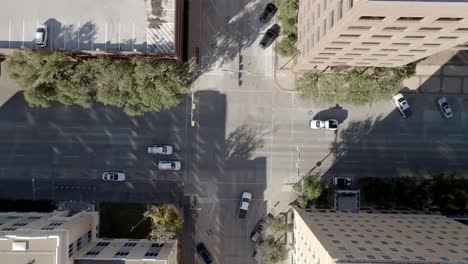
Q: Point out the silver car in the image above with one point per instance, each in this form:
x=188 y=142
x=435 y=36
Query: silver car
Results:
x=113 y=176
x=445 y=107
x=41 y=36
x=160 y=149
x=169 y=165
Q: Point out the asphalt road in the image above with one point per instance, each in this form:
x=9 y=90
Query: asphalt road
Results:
x=66 y=150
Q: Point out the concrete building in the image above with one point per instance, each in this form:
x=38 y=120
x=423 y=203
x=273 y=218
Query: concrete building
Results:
x=60 y=238
x=329 y=236
x=377 y=32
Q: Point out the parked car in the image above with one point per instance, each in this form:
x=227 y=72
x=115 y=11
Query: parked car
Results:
x=256 y=234
x=445 y=107
x=330 y=124
x=402 y=105
x=341 y=182
x=204 y=254
x=169 y=165
x=113 y=176
x=41 y=36
x=244 y=204
x=268 y=13
x=271 y=34
x=160 y=149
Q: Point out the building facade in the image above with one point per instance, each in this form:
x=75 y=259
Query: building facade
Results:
x=328 y=236
x=60 y=238
x=377 y=32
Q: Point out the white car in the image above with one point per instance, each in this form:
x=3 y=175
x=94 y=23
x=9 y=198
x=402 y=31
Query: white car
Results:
x=160 y=149
x=445 y=107
x=341 y=182
x=169 y=165
x=244 y=204
x=402 y=105
x=41 y=36
x=330 y=124
x=113 y=176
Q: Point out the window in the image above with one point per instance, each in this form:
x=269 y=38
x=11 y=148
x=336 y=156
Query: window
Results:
x=128 y=244
x=362 y=249
x=349 y=36
x=78 y=244
x=372 y=18
x=389 y=49
x=449 y=19
x=351 y=4
x=335 y=49
x=371 y=257
x=409 y=19
x=431 y=44
x=461 y=29
x=386 y=257
x=379 y=55
x=429 y=29
x=332 y=18
x=340 y=9
x=447 y=37
x=367 y=230
x=420 y=258
x=347 y=235
x=420 y=50
x=376 y=249
x=395 y=28
x=336 y=241
x=409 y=250
x=430 y=250
x=394 y=249
x=353 y=54
x=342 y=248
x=384 y=242
x=400 y=44
x=89 y=236
x=381 y=36
x=359 y=27
x=354 y=242
x=70 y=250
x=340 y=42
x=370 y=43
x=414 y=37
x=121 y=254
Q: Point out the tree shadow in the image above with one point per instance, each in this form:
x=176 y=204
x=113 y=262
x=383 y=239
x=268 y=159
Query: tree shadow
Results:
x=226 y=39
x=242 y=143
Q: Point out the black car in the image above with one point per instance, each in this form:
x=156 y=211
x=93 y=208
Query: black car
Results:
x=256 y=234
x=201 y=249
x=271 y=34
x=268 y=13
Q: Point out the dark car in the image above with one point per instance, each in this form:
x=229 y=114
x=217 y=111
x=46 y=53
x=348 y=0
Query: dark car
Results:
x=268 y=13
x=271 y=34
x=256 y=234
x=201 y=249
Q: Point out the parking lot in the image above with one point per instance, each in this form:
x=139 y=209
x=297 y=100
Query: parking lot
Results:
x=88 y=25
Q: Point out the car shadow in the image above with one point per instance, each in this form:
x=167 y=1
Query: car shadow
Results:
x=336 y=112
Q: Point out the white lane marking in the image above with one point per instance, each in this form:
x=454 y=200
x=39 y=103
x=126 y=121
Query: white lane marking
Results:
x=351 y=161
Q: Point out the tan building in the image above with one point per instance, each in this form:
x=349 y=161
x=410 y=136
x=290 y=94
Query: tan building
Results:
x=57 y=238
x=377 y=32
x=328 y=236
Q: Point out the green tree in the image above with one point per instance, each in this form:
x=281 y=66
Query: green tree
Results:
x=269 y=252
x=287 y=16
x=165 y=223
x=275 y=226
x=449 y=192
x=138 y=85
x=353 y=87
x=310 y=190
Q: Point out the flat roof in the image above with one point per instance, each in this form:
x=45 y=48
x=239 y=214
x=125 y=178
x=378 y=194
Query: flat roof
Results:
x=90 y=25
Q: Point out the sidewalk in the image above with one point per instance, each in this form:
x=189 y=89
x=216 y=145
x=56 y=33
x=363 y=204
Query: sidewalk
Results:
x=8 y=87
x=445 y=72
x=283 y=75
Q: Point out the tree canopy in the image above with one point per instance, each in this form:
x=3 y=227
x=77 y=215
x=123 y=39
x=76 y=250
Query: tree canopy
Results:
x=288 y=11
x=136 y=85
x=354 y=87
x=165 y=223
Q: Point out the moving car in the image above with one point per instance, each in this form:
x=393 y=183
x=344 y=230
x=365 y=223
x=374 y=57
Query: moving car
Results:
x=402 y=105
x=330 y=124
x=160 y=149
x=244 y=204
x=256 y=234
x=268 y=13
x=113 y=176
x=169 y=165
x=271 y=34
x=204 y=254
x=41 y=36
x=341 y=182
x=445 y=107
